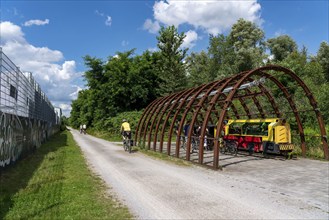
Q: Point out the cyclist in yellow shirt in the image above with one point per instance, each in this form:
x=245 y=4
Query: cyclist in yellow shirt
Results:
x=125 y=129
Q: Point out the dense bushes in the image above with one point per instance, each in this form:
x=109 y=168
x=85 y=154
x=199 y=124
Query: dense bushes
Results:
x=112 y=125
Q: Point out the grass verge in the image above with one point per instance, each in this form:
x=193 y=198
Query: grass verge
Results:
x=55 y=183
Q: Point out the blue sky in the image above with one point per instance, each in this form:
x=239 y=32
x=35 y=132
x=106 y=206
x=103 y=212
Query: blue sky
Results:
x=49 y=38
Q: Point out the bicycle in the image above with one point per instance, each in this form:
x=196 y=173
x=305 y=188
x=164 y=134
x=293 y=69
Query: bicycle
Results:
x=183 y=142
x=194 y=143
x=127 y=142
x=229 y=146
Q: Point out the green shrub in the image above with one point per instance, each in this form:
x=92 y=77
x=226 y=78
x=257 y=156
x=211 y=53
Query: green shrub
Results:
x=110 y=129
x=314 y=148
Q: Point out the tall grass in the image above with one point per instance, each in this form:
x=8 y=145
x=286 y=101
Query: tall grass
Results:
x=55 y=183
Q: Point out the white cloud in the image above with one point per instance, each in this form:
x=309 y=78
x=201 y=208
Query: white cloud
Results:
x=189 y=40
x=279 y=32
x=152 y=27
x=74 y=95
x=11 y=32
x=108 y=21
x=124 y=43
x=36 y=22
x=153 y=49
x=99 y=13
x=212 y=16
x=54 y=74
x=65 y=107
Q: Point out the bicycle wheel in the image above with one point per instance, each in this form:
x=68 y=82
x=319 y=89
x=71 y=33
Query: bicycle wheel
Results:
x=125 y=145
x=182 y=143
x=195 y=145
x=232 y=147
x=130 y=147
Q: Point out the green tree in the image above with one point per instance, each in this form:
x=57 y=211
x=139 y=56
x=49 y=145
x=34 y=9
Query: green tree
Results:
x=95 y=75
x=82 y=109
x=132 y=83
x=198 y=69
x=125 y=82
x=323 y=58
x=281 y=47
x=171 y=67
x=222 y=56
x=249 y=45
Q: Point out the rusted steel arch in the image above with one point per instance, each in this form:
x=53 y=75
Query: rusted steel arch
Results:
x=195 y=115
x=292 y=106
x=223 y=84
x=142 y=135
x=258 y=105
x=271 y=101
x=184 y=94
x=287 y=96
x=155 y=114
x=198 y=91
x=215 y=101
x=228 y=102
x=148 y=118
x=219 y=92
x=315 y=108
x=300 y=83
x=201 y=105
x=170 y=102
x=244 y=105
x=141 y=120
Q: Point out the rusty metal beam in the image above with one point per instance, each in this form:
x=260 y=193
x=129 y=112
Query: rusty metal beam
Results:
x=142 y=121
x=162 y=105
x=168 y=115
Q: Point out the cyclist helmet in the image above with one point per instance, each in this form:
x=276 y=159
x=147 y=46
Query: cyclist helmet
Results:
x=124 y=120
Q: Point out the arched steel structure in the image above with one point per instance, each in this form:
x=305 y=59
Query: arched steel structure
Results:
x=212 y=103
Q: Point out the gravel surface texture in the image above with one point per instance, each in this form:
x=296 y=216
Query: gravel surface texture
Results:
x=252 y=189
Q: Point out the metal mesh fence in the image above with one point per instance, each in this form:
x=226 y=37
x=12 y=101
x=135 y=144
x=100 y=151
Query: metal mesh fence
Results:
x=20 y=95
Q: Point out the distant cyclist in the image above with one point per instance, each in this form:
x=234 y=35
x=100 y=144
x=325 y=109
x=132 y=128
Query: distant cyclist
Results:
x=125 y=129
x=84 y=128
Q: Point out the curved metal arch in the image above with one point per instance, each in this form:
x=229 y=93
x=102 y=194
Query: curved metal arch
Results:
x=258 y=105
x=161 y=105
x=315 y=108
x=271 y=101
x=197 y=91
x=185 y=95
x=145 y=112
x=292 y=105
x=219 y=86
x=206 y=119
x=228 y=102
x=195 y=114
x=143 y=119
x=148 y=118
x=200 y=105
x=173 y=99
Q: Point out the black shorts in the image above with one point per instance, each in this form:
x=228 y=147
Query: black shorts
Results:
x=127 y=134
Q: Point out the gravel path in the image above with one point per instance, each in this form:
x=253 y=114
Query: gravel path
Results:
x=154 y=189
